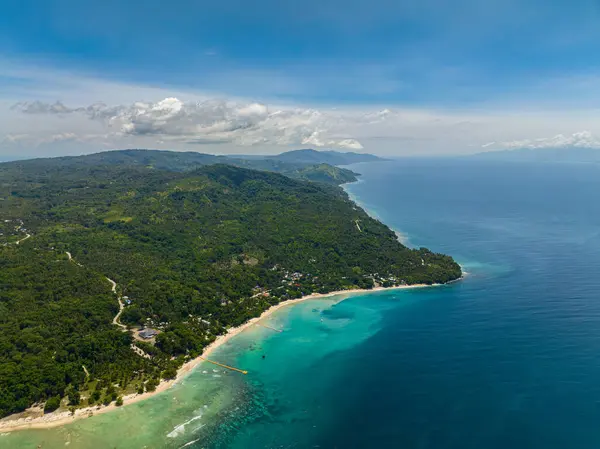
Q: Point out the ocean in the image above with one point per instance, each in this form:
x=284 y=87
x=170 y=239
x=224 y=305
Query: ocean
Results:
x=507 y=357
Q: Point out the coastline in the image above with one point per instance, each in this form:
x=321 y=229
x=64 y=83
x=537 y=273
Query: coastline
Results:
x=57 y=419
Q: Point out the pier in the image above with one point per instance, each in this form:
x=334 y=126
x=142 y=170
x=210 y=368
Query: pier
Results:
x=269 y=327
x=224 y=366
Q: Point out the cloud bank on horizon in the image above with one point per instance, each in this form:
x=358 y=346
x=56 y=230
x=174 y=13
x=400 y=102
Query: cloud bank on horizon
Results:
x=210 y=121
x=383 y=76
x=583 y=139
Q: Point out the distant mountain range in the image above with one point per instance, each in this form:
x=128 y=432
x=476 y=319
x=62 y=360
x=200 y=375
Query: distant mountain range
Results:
x=309 y=156
x=570 y=155
x=307 y=164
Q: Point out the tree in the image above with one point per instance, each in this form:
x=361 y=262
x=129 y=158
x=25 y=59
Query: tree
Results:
x=52 y=404
x=73 y=395
x=169 y=373
x=152 y=384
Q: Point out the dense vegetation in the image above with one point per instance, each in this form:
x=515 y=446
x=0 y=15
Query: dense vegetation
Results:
x=324 y=173
x=194 y=252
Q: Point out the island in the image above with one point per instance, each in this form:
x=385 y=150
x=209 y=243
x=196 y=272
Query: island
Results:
x=118 y=269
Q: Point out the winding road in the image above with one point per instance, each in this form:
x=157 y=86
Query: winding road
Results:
x=19 y=228
x=72 y=260
x=23 y=239
x=121 y=306
x=113 y=285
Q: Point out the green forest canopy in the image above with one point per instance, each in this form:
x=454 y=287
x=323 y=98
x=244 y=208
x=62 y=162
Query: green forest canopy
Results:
x=195 y=252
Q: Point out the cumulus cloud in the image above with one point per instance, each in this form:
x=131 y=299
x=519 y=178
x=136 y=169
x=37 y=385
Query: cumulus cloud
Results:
x=15 y=138
x=582 y=139
x=36 y=139
x=37 y=107
x=211 y=121
x=352 y=144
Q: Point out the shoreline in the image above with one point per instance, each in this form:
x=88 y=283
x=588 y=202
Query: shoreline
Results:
x=62 y=418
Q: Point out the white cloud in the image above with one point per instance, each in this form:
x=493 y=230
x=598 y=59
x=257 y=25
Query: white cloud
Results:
x=37 y=107
x=244 y=124
x=350 y=143
x=14 y=138
x=582 y=139
x=61 y=137
x=37 y=139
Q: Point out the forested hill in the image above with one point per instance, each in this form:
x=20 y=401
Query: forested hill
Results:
x=192 y=253
x=302 y=164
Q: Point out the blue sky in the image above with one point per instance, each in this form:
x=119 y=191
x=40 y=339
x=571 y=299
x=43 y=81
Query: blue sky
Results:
x=428 y=61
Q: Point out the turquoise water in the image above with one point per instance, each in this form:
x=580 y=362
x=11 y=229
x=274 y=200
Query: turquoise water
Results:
x=509 y=357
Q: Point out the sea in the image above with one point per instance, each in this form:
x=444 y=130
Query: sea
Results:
x=509 y=357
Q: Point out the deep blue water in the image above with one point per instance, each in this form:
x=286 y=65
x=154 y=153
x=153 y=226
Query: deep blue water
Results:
x=510 y=357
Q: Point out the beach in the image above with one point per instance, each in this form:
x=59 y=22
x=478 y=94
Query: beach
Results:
x=60 y=418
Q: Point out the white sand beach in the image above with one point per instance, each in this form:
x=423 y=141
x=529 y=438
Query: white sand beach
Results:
x=61 y=417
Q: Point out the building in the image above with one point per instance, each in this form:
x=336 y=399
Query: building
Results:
x=148 y=333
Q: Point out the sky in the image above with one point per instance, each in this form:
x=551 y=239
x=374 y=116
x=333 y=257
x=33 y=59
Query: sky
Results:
x=427 y=77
